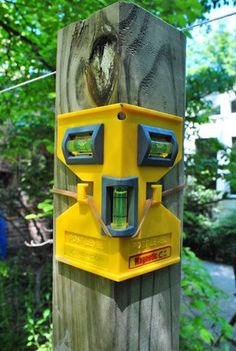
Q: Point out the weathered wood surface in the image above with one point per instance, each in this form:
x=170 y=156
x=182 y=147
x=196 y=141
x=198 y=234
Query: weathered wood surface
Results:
x=120 y=54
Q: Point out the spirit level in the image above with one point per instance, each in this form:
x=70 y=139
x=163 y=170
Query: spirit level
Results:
x=119 y=162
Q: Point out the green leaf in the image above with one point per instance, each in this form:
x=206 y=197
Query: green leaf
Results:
x=31 y=216
x=206 y=335
x=46 y=313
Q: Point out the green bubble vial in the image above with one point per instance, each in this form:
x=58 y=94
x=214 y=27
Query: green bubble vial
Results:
x=120 y=208
x=80 y=146
x=160 y=149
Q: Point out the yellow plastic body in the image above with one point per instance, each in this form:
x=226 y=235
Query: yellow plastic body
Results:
x=79 y=241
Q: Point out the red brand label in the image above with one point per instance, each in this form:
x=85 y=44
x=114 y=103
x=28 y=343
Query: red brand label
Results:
x=149 y=257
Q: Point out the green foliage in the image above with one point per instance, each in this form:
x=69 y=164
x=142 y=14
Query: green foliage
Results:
x=211 y=64
x=212 y=52
x=202 y=326
x=198 y=205
x=39 y=330
x=200 y=200
x=209 y=235
x=231 y=175
x=25 y=302
x=223 y=238
x=4 y=269
x=46 y=210
x=27 y=146
x=203 y=82
x=206 y=164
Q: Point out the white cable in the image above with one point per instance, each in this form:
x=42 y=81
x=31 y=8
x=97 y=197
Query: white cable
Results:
x=208 y=21
x=33 y=244
x=28 y=82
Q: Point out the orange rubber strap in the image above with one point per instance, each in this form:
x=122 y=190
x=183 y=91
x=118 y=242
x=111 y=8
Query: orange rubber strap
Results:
x=146 y=208
x=97 y=215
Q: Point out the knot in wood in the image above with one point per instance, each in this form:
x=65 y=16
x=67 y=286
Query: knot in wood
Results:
x=101 y=70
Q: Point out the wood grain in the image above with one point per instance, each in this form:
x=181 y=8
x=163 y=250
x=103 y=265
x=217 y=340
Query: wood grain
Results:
x=119 y=54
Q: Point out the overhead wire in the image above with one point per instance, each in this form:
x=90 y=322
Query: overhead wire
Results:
x=207 y=21
x=28 y=82
x=53 y=73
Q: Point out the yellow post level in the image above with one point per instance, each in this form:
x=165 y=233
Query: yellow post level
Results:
x=119 y=152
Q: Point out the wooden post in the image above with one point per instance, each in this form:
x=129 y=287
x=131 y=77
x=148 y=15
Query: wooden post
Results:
x=119 y=54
